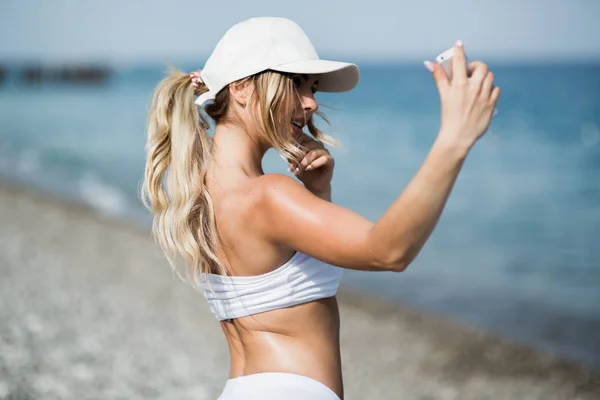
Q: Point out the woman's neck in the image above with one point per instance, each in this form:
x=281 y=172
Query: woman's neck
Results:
x=234 y=150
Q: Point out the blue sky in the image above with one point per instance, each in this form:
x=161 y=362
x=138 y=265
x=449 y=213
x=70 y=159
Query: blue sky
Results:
x=383 y=30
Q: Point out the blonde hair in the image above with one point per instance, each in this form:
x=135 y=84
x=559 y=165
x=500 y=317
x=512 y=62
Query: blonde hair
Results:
x=179 y=154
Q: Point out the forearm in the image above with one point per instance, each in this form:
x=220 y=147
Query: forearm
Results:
x=401 y=232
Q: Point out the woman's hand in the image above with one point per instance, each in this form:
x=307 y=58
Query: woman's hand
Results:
x=315 y=170
x=467 y=101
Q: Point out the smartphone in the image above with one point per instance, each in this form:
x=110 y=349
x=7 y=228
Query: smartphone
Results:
x=445 y=60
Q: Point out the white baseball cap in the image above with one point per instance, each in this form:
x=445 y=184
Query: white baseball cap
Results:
x=269 y=43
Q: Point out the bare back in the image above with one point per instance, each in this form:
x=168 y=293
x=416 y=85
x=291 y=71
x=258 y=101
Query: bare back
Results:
x=302 y=339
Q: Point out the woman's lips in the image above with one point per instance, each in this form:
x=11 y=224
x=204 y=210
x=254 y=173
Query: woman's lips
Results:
x=297 y=128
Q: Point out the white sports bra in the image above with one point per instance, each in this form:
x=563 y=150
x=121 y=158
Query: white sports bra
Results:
x=301 y=279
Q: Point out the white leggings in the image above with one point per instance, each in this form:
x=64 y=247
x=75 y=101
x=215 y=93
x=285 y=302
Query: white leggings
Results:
x=276 y=386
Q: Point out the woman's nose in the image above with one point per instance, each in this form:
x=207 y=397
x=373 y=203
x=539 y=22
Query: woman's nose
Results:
x=309 y=103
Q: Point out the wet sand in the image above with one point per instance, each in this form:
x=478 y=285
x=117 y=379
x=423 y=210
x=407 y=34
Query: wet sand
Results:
x=90 y=309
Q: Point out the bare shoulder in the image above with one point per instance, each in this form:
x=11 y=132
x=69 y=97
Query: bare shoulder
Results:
x=275 y=186
x=286 y=214
x=268 y=189
x=279 y=195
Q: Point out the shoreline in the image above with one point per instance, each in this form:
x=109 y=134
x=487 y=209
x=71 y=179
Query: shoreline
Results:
x=76 y=283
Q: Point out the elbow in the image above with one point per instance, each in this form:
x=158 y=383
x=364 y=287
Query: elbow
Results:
x=398 y=266
x=389 y=255
x=397 y=262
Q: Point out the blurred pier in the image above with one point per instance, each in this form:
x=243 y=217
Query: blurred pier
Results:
x=32 y=74
x=65 y=74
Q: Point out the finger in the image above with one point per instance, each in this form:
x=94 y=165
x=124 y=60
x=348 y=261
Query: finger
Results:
x=477 y=70
x=320 y=162
x=306 y=160
x=439 y=75
x=312 y=156
x=488 y=84
x=495 y=95
x=459 y=64
x=479 y=74
x=471 y=67
x=303 y=146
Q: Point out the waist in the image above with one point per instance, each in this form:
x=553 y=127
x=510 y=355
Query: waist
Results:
x=303 y=340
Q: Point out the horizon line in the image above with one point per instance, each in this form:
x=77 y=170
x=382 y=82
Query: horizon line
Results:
x=374 y=60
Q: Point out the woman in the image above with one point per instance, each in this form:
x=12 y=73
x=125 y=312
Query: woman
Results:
x=267 y=250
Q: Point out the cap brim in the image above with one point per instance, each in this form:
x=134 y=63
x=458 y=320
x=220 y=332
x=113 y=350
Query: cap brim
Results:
x=335 y=77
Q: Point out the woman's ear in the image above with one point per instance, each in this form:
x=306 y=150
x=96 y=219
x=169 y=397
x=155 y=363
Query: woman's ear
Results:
x=241 y=92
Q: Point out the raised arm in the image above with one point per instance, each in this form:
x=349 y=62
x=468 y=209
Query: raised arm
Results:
x=292 y=216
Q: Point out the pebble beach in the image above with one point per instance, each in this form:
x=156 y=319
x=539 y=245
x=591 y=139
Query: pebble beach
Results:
x=89 y=309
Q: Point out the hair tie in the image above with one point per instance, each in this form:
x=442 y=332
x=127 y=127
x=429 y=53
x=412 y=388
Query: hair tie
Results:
x=195 y=78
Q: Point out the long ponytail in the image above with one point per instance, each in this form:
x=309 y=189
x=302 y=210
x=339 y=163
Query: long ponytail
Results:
x=174 y=189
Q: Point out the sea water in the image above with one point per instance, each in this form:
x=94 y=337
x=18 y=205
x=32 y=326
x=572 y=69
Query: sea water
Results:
x=516 y=250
